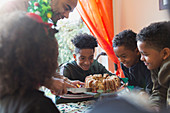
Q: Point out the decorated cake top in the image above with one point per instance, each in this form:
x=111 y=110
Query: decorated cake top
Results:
x=102 y=83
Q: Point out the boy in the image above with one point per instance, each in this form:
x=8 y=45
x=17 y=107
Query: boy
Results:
x=153 y=43
x=83 y=64
x=125 y=48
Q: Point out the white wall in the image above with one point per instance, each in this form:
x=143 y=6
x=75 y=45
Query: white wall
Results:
x=136 y=14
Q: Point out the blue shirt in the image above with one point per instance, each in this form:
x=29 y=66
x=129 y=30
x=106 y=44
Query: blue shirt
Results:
x=138 y=76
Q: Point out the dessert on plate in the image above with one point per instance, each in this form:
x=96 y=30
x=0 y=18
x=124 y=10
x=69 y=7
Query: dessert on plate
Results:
x=104 y=83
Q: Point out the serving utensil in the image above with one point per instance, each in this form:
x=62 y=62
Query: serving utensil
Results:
x=79 y=90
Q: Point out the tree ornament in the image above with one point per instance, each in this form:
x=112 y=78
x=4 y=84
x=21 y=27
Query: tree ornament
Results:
x=42 y=8
x=36 y=4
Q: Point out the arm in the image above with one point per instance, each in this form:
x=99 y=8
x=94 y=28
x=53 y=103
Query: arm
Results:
x=65 y=71
x=72 y=82
x=159 y=93
x=58 y=84
x=72 y=71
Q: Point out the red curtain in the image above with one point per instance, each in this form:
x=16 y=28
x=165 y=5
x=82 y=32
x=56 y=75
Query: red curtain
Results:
x=98 y=16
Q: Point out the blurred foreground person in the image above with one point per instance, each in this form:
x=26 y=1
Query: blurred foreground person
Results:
x=131 y=102
x=28 y=57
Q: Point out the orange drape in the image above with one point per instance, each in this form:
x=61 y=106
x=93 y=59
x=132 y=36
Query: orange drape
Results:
x=98 y=16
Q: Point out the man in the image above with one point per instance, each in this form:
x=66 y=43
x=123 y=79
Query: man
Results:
x=60 y=8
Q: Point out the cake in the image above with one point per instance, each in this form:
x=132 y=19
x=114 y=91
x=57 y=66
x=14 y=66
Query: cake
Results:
x=103 y=83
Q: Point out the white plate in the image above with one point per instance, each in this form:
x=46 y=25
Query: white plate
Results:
x=101 y=94
x=76 y=96
x=79 y=90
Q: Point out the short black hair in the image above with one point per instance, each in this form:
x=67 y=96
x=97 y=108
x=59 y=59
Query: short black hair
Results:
x=84 y=41
x=125 y=38
x=156 y=35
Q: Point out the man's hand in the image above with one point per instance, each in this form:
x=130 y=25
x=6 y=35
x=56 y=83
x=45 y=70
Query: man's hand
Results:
x=59 y=86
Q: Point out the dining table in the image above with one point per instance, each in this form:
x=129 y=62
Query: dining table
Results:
x=76 y=107
x=83 y=102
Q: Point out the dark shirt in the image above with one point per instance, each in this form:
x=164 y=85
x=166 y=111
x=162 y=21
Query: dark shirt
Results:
x=138 y=76
x=33 y=101
x=118 y=105
x=74 y=72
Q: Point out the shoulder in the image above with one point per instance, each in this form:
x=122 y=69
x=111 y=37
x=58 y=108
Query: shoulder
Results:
x=95 y=62
x=42 y=104
x=66 y=68
x=142 y=66
x=125 y=69
x=164 y=73
x=99 y=68
x=165 y=64
x=33 y=101
x=69 y=64
x=122 y=66
x=97 y=65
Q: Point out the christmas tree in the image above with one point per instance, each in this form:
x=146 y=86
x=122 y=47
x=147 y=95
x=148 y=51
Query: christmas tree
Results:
x=41 y=7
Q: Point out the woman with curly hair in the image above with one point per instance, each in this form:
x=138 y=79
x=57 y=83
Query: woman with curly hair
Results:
x=28 y=57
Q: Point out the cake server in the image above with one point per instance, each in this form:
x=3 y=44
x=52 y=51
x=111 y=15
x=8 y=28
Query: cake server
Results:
x=79 y=90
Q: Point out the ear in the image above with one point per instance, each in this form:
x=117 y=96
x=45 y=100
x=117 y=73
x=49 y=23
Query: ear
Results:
x=137 y=51
x=74 y=55
x=165 y=53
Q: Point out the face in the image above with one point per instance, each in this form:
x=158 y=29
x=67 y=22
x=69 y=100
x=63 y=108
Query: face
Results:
x=62 y=8
x=126 y=56
x=84 y=58
x=151 y=57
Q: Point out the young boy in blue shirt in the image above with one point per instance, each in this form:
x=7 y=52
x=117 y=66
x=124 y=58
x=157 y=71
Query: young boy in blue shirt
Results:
x=153 y=43
x=125 y=48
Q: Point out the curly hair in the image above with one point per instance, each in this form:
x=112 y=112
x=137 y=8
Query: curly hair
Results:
x=84 y=41
x=28 y=55
x=156 y=35
x=125 y=38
